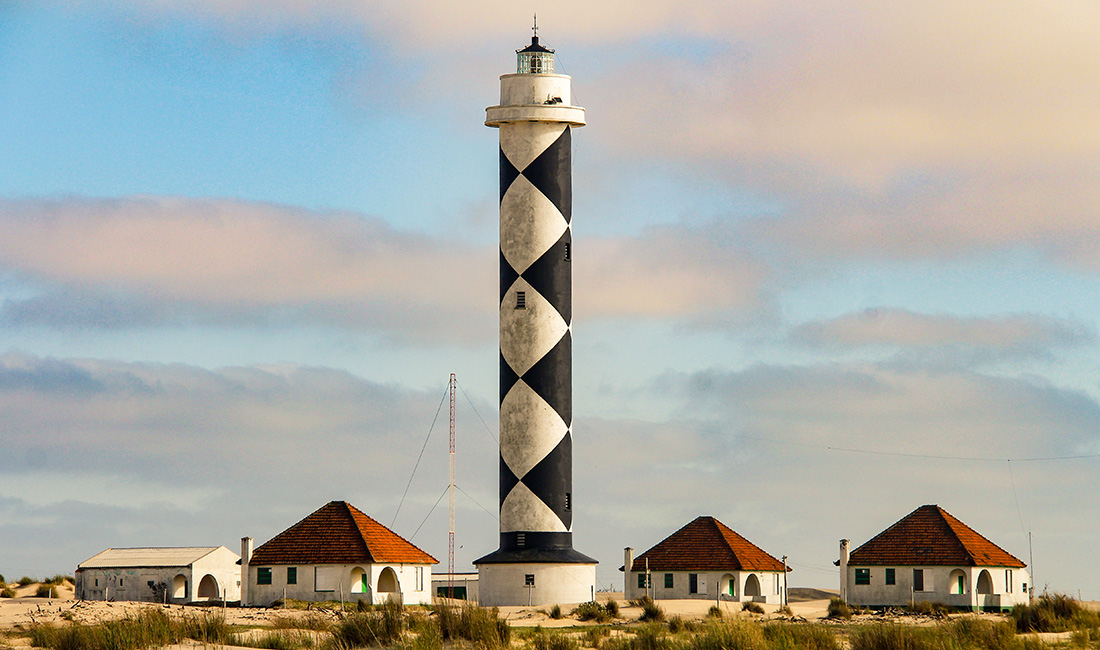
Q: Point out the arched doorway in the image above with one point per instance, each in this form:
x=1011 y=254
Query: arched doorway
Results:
x=179 y=587
x=727 y=585
x=208 y=588
x=752 y=585
x=387 y=581
x=956 y=583
x=985 y=583
x=360 y=583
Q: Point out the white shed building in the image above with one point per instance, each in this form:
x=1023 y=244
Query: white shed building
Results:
x=161 y=575
x=706 y=560
x=336 y=553
x=929 y=555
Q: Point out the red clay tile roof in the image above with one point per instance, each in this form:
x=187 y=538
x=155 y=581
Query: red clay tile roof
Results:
x=931 y=536
x=706 y=544
x=339 y=533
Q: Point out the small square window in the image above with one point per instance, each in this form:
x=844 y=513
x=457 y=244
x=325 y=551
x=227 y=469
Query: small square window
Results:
x=521 y=300
x=292 y=575
x=529 y=580
x=863 y=576
x=668 y=581
x=643 y=580
x=890 y=577
x=263 y=575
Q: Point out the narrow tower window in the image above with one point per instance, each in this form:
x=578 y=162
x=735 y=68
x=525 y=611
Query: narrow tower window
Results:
x=521 y=539
x=521 y=300
x=567 y=251
x=568 y=501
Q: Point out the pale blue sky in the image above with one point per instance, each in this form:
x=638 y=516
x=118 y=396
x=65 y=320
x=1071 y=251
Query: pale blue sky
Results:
x=242 y=245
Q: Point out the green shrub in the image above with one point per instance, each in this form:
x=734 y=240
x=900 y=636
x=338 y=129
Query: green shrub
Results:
x=613 y=608
x=650 y=636
x=714 y=612
x=926 y=607
x=752 y=607
x=787 y=636
x=651 y=611
x=483 y=627
x=2 y=581
x=26 y=580
x=591 y=611
x=981 y=634
x=277 y=640
x=58 y=579
x=543 y=640
x=676 y=624
x=151 y=627
x=729 y=635
x=382 y=626
x=785 y=610
x=46 y=591
x=1054 y=613
x=555 y=612
x=594 y=635
x=839 y=609
x=893 y=637
x=7 y=593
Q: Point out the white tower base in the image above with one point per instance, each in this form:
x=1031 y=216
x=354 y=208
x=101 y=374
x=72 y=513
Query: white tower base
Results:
x=536 y=584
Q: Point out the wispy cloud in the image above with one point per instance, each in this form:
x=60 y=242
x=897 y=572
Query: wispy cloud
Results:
x=1010 y=336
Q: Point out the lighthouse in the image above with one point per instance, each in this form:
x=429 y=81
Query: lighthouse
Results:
x=536 y=563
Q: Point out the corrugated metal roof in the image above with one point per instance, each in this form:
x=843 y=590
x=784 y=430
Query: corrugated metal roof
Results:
x=339 y=533
x=147 y=557
x=706 y=544
x=931 y=536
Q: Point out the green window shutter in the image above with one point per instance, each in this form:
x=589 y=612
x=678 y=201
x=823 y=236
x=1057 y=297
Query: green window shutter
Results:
x=263 y=575
x=292 y=575
x=668 y=581
x=863 y=576
x=890 y=578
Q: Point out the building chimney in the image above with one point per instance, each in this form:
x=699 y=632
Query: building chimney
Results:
x=246 y=557
x=628 y=561
x=844 y=570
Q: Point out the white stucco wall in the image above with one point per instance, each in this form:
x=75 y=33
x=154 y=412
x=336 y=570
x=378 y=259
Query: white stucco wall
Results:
x=709 y=584
x=555 y=584
x=132 y=583
x=414 y=583
x=1008 y=587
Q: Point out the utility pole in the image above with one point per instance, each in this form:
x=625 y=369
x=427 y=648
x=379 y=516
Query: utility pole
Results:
x=451 y=490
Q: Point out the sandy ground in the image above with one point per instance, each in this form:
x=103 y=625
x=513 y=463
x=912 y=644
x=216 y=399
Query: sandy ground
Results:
x=17 y=614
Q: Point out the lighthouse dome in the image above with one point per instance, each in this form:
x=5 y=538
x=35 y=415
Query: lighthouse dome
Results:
x=535 y=58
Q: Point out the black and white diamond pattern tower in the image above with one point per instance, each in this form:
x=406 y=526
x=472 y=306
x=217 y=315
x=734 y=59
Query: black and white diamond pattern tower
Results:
x=536 y=563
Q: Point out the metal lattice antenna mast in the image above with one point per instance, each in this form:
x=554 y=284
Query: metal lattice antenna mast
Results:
x=451 y=490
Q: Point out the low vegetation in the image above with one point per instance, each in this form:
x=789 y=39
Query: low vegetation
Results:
x=471 y=627
x=750 y=606
x=1054 y=613
x=150 y=628
x=839 y=609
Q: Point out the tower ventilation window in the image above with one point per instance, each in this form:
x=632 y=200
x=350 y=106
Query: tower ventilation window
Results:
x=567 y=250
x=521 y=300
x=568 y=501
x=521 y=539
x=529 y=579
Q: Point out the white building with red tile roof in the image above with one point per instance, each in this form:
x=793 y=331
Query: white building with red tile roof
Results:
x=336 y=553
x=705 y=560
x=929 y=555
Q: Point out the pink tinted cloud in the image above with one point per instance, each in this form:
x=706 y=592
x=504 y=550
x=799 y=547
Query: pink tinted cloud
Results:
x=96 y=260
